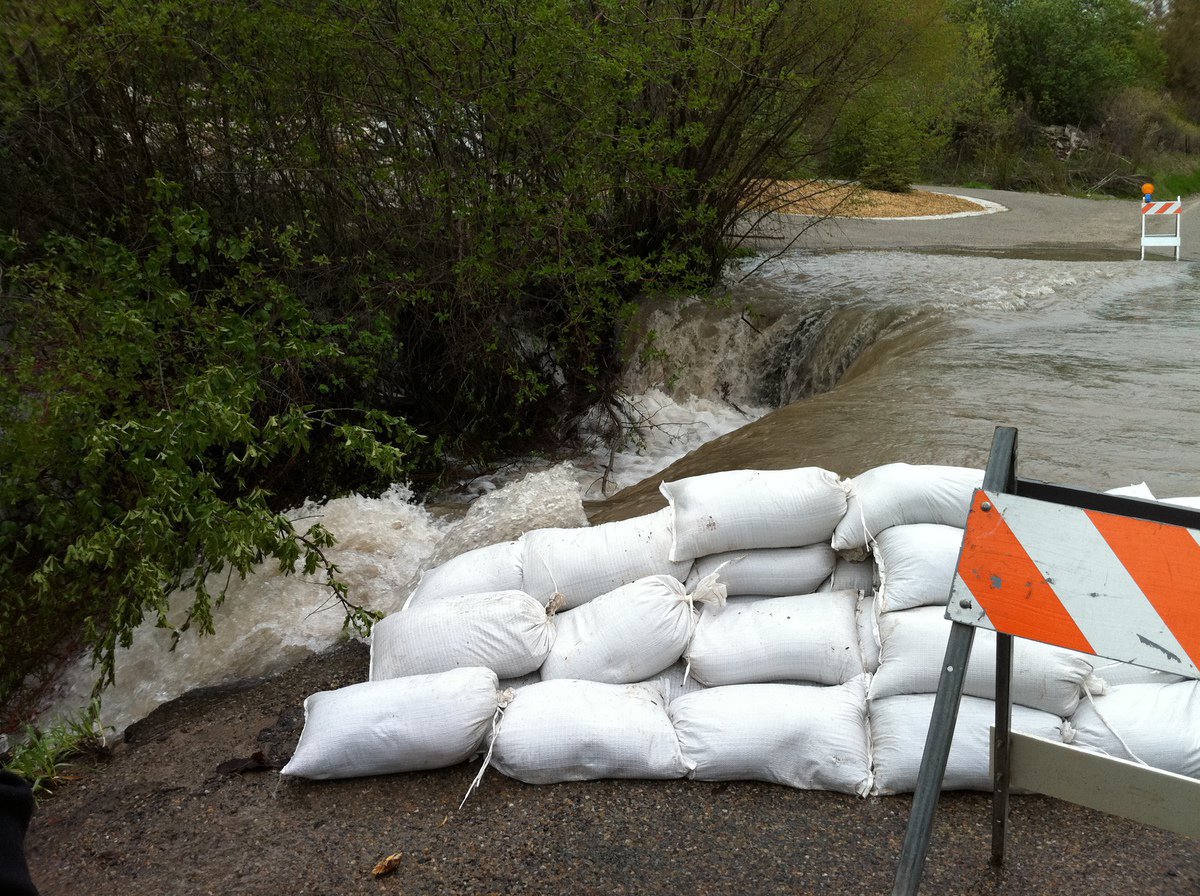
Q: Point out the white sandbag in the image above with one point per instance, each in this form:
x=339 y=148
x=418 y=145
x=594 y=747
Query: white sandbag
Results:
x=900 y=494
x=913 y=645
x=811 y=637
x=804 y=736
x=867 y=622
x=899 y=726
x=916 y=565
x=1158 y=724
x=508 y=632
x=496 y=567
x=630 y=633
x=769 y=572
x=739 y=509
x=1114 y=673
x=851 y=575
x=568 y=730
x=584 y=563
x=397 y=725
x=676 y=681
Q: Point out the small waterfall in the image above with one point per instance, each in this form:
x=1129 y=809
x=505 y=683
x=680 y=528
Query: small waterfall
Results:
x=765 y=349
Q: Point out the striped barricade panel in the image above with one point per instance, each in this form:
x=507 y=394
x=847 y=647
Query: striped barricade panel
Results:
x=1112 y=577
x=1170 y=207
x=1114 y=586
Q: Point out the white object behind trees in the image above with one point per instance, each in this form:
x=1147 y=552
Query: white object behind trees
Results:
x=769 y=572
x=899 y=726
x=1151 y=723
x=913 y=644
x=803 y=736
x=812 y=638
x=628 y=634
x=496 y=567
x=582 y=564
x=900 y=494
x=916 y=565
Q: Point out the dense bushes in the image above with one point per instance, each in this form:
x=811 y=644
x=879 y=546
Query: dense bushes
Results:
x=1063 y=59
x=397 y=237
x=150 y=402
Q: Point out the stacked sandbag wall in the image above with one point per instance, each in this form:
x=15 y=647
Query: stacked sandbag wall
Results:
x=1145 y=715
x=785 y=626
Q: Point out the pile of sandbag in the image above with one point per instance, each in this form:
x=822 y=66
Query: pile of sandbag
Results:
x=785 y=626
x=1145 y=715
x=1056 y=693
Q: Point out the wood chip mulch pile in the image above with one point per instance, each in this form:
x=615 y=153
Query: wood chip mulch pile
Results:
x=810 y=197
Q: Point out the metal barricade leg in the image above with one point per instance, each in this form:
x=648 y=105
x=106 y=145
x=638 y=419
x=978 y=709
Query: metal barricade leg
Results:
x=1001 y=746
x=933 y=761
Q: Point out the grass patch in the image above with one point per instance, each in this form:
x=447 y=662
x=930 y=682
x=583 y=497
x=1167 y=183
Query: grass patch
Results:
x=1178 y=184
x=43 y=757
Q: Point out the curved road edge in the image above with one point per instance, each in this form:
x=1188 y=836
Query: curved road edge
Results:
x=1034 y=224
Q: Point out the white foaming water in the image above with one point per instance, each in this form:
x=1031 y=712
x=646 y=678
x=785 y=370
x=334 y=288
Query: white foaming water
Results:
x=658 y=429
x=873 y=316
x=666 y=429
x=270 y=620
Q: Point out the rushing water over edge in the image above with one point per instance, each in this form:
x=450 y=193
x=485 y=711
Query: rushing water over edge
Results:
x=875 y=357
x=1094 y=362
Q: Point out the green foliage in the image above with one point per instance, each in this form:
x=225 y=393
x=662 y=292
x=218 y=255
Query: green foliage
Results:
x=497 y=178
x=942 y=94
x=147 y=399
x=1062 y=59
x=1142 y=124
x=974 y=116
x=1102 y=65
x=389 y=219
x=882 y=141
x=1185 y=183
x=1181 y=44
x=42 y=757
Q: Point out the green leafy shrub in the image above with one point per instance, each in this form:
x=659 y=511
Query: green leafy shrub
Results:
x=42 y=757
x=1063 y=59
x=1180 y=183
x=496 y=180
x=147 y=398
x=391 y=218
x=1141 y=124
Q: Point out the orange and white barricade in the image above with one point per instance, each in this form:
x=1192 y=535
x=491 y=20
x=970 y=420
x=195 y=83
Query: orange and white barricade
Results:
x=1151 y=212
x=1110 y=576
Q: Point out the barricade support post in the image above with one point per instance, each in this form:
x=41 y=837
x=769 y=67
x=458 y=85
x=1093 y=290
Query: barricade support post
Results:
x=1109 y=576
x=1150 y=211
